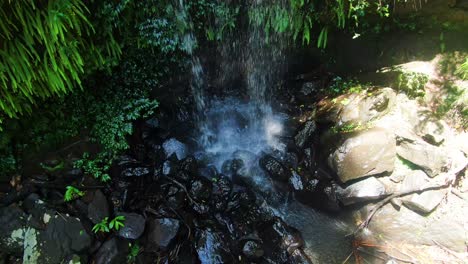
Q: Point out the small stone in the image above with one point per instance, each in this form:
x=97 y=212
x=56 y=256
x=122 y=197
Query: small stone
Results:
x=162 y=232
x=252 y=250
x=365 y=190
x=134 y=225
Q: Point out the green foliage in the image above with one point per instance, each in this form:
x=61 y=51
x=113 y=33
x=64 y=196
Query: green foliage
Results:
x=117 y=222
x=340 y=86
x=296 y=18
x=102 y=226
x=133 y=253
x=72 y=193
x=106 y=226
x=43 y=51
x=351 y=127
x=55 y=168
x=463 y=70
x=97 y=166
x=412 y=83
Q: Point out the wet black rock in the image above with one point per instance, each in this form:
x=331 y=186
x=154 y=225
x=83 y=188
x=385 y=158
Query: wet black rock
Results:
x=297 y=182
x=113 y=251
x=305 y=134
x=232 y=166
x=252 y=250
x=282 y=242
x=136 y=172
x=174 y=146
x=12 y=228
x=161 y=233
x=152 y=123
x=310 y=88
x=98 y=209
x=200 y=190
x=175 y=197
x=34 y=206
x=74 y=173
x=212 y=247
x=134 y=226
x=274 y=168
x=126 y=160
x=189 y=165
x=221 y=193
x=169 y=167
x=209 y=172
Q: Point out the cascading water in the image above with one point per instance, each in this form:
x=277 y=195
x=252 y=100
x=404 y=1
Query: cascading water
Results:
x=245 y=129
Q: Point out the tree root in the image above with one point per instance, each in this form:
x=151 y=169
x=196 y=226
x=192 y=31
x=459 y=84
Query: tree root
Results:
x=386 y=200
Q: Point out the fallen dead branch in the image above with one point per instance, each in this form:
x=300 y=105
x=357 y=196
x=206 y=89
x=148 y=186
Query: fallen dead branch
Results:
x=386 y=200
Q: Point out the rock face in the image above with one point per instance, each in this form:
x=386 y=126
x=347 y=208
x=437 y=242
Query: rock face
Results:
x=305 y=134
x=162 y=232
x=98 y=209
x=274 y=168
x=364 y=154
x=429 y=158
x=356 y=108
x=252 y=250
x=113 y=251
x=62 y=238
x=12 y=229
x=211 y=248
x=173 y=146
x=134 y=226
x=365 y=190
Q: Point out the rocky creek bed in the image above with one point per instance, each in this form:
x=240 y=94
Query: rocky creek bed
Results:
x=341 y=157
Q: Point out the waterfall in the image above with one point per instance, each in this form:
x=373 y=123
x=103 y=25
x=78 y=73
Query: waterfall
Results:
x=246 y=127
x=189 y=43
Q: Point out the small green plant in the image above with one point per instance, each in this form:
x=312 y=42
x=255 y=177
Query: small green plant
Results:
x=134 y=251
x=351 y=127
x=117 y=222
x=55 y=168
x=463 y=70
x=340 y=86
x=102 y=226
x=412 y=83
x=72 y=193
x=106 y=226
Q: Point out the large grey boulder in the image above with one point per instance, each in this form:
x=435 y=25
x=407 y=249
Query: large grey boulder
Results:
x=365 y=190
x=429 y=158
x=357 y=108
x=98 y=209
x=12 y=229
x=63 y=237
x=363 y=154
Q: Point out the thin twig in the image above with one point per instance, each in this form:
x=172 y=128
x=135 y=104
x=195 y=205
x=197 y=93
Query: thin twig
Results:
x=184 y=189
x=389 y=198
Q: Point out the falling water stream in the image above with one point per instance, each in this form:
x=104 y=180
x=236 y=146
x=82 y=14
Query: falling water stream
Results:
x=246 y=129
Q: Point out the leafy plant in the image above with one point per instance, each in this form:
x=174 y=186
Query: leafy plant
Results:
x=412 y=83
x=102 y=226
x=106 y=226
x=134 y=251
x=463 y=70
x=72 y=193
x=42 y=51
x=117 y=222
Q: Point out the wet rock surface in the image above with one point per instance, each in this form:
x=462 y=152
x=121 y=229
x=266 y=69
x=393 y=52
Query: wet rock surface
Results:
x=134 y=226
x=364 y=153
